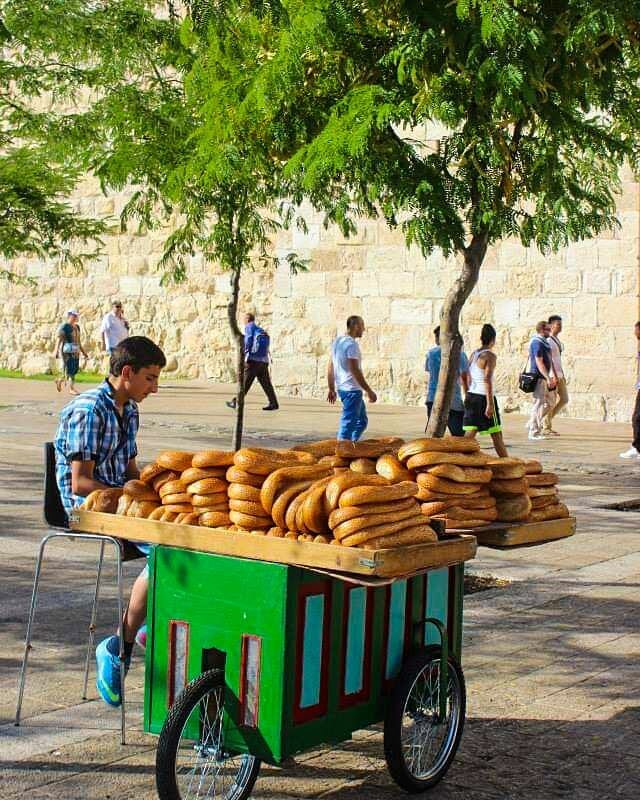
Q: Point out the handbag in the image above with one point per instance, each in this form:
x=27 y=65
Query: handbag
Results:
x=527 y=381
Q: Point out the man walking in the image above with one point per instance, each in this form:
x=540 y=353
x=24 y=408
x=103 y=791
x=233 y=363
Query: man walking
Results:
x=114 y=327
x=560 y=397
x=540 y=363
x=432 y=368
x=345 y=380
x=256 y=352
x=634 y=450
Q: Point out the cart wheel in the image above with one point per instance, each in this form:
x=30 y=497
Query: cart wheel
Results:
x=192 y=762
x=418 y=748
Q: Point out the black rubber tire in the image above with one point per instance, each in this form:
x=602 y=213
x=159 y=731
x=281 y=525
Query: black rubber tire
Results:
x=171 y=733
x=393 y=749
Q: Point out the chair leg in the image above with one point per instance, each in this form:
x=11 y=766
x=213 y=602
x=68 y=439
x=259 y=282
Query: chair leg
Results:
x=32 y=612
x=92 y=624
x=121 y=643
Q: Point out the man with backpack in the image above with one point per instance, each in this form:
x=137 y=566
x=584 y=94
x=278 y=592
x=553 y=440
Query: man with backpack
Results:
x=256 y=350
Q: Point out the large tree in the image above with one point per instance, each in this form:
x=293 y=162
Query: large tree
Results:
x=541 y=100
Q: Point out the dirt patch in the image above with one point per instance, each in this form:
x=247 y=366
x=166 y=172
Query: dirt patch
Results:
x=481 y=583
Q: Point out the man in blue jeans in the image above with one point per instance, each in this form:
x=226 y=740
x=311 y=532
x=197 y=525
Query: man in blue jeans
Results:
x=346 y=381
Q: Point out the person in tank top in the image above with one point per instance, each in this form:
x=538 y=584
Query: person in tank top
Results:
x=481 y=412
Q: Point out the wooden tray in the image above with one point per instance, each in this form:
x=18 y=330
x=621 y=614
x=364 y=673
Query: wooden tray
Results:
x=397 y=562
x=520 y=534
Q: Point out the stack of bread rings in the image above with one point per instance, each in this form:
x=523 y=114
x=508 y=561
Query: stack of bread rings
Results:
x=294 y=497
x=361 y=457
x=453 y=479
x=543 y=493
x=368 y=511
x=139 y=499
x=510 y=489
x=104 y=501
x=206 y=486
x=251 y=467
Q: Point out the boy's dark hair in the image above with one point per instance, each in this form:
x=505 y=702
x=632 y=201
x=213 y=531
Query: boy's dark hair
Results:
x=554 y=318
x=487 y=334
x=136 y=352
x=251 y=317
x=351 y=321
x=436 y=332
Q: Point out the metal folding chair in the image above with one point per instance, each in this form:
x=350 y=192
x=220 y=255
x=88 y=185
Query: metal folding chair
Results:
x=56 y=519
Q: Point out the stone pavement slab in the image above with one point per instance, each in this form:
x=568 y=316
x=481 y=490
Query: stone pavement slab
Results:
x=551 y=661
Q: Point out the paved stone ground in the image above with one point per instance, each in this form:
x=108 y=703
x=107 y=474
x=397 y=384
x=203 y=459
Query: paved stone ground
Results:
x=552 y=661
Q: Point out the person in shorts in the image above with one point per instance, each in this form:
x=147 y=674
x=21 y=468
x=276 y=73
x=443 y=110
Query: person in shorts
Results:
x=96 y=449
x=70 y=347
x=481 y=412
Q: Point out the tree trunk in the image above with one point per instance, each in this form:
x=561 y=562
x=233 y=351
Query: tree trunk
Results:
x=450 y=338
x=238 y=335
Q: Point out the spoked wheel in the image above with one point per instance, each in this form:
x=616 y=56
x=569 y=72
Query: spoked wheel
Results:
x=418 y=746
x=192 y=762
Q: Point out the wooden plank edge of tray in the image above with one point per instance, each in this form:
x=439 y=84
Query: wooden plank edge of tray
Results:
x=524 y=533
x=385 y=563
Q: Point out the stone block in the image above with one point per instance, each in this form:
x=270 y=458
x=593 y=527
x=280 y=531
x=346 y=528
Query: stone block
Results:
x=582 y=255
x=559 y=282
x=477 y=311
x=47 y=310
x=293 y=372
x=38 y=269
x=512 y=255
x=629 y=225
x=28 y=311
x=383 y=259
x=308 y=284
x=532 y=311
x=436 y=282
x=597 y=281
x=351 y=259
x=625 y=282
x=390 y=236
x=324 y=261
x=506 y=312
x=104 y=206
x=337 y=284
x=629 y=197
x=411 y=311
x=366 y=233
x=365 y=284
x=36 y=364
x=614 y=312
x=222 y=283
x=183 y=309
x=523 y=283
x=584 y=312
x=396 y=284
x=319 y=311
x=492 y=283
x=130 y=286
x=376 y=310
x=398 y=341
x=12 y=309
x=151 y=286
x=616 y=254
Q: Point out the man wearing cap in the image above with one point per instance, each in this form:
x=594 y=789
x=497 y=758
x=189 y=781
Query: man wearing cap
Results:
x=69 y=347
x=114 y=327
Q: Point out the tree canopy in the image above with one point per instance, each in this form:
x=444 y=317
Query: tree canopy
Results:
x=539 y=99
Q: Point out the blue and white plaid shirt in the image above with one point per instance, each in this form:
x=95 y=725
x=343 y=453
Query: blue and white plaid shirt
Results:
x=91 y=429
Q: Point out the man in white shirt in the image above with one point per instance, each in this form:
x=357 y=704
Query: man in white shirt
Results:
x=346 y=381
x=559 y=398
x=114 y=327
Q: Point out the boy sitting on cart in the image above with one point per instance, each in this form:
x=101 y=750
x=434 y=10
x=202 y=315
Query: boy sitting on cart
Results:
x=96 y=449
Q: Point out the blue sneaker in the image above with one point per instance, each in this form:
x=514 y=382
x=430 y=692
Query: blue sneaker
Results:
x=141 y=637
x=108 y=671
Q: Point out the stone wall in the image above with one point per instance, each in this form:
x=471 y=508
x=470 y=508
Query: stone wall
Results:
x=593 y=285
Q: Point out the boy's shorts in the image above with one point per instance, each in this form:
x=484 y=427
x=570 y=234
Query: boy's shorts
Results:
x=474 y=417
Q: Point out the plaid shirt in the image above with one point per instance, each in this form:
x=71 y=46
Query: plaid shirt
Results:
x=91 y=429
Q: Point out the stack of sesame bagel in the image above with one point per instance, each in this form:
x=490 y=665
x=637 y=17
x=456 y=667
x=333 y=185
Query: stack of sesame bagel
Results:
x=542 y=490
x=509 y=487
x=362 y=456
x=368 y=511
x=251 y=468
x=453 y=480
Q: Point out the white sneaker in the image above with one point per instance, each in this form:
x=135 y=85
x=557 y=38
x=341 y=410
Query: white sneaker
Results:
x=630 y=453
x=535 y=436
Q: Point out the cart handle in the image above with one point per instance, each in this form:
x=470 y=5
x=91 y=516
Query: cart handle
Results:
x=444 y=663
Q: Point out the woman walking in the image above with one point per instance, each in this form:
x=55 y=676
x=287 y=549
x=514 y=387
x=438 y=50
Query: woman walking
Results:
x=481 y=413
x=70 y=347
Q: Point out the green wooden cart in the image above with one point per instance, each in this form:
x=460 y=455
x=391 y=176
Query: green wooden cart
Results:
x=250 y=661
